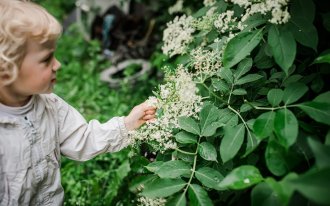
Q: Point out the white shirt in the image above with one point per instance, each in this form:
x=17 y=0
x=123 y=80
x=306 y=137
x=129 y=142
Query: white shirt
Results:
x=33 y=137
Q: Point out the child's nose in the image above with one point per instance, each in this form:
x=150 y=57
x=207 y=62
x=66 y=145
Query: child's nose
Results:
x=56 y=65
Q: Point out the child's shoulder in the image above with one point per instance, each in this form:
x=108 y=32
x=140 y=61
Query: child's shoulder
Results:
x=50 y=100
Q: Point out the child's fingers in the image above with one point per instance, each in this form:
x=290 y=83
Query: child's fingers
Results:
x=150 y=111
x=148 y=117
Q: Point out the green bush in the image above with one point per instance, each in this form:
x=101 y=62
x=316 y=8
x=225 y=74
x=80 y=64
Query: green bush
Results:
x=255 y=127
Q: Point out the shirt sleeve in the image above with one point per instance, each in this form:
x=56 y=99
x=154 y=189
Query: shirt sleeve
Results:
x=81 y=140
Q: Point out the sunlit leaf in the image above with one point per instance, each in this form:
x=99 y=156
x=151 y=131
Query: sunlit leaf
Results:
x=173 y=169
x=163 y=187
x=209 y=177
x=207 y=151
x=188 y=124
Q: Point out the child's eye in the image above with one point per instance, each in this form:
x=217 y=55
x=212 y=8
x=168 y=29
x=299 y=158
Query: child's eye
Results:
x=48 y=58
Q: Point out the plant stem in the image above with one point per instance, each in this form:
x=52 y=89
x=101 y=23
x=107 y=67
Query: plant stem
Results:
x=184 y=152
x=211 y=92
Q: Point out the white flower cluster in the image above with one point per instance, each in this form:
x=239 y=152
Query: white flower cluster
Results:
x=209 y=2
x=277 y=8
x=226 y=22
x=177 y=7
x=178 y=35
x=144 y=201
x=178 y=97
x=205 y=62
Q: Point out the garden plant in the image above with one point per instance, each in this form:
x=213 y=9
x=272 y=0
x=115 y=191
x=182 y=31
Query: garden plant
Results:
x=244 y=112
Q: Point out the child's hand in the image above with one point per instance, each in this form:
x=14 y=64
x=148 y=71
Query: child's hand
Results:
x=139 y=115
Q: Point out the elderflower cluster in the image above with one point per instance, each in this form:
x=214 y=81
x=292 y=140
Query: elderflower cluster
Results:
x=205 y=62
x=178 y=35
x=177 y=7
x=277 y=8
x=177 y=97
x=144 y=201
x=226 y=22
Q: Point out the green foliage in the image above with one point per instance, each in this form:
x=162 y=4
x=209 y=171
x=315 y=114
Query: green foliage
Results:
x=263 y=131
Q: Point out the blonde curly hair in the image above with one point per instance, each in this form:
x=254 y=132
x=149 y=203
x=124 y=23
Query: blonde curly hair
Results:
x=20 y=21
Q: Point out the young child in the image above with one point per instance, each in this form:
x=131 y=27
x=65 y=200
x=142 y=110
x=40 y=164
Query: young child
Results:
x=36 y=126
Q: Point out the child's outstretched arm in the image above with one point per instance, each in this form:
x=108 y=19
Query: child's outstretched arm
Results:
x=139 y=115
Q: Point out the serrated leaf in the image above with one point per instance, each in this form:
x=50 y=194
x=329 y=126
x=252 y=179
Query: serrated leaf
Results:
x=286 y=127
x=220 y=85
x=248 y=78
x=264 y=124
x=186 y=138
x=188 y=124
x=173 y=169
x=198 y=196
x=208 y=117
x=283 y=47
x=241 y=177
x=243 y=67
x=239 y=91
x=163 y=187
x=231 y=142
x=154 y=166
x=275 y=96
x=209 y=177
x=294 y=92
x=226 y=74
x=240 y=46
x=207 y=151
x=319 y=111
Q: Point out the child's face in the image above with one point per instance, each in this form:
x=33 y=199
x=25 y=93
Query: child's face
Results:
x=37 y=73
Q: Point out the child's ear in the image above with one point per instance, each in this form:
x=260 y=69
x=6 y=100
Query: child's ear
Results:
x=5 y=79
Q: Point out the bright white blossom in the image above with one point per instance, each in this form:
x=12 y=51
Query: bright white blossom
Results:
x=145 y=201
x=177 y=7
x=205 y=62
x=178 y=35
x=277 y=8
x=177 y=97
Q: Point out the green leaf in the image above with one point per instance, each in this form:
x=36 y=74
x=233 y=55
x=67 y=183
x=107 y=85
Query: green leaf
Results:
x=319 y=111
x=231 y=142
x=275 y=96
x=198 y=196
x=209 y=177
x=264 y=195
x=248 y=78
x=241 y=177
x=208 y=116
x=163 y=187
x=254 y=21
x=239 y=91
x=188 y=124
x=225 y=74
x=272 y=192
x=321 y=153
x=286 y=127
x=301 y=23
x=177 y=200
x=154 y=166
x=138 y=183
x=243 y=67
x=323 y=58
x=324 y=97
x=264 y=124
x=293 y=92
x=283 y=47
x=252 y=143
x=275 y=156
x=173 y=169
x=220 y=85
x=240 y=46
x=207 y=151
x=186 y=138
x=314 y=185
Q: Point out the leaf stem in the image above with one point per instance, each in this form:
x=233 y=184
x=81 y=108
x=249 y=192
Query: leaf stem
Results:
x=211 y=92
x=184 y=152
